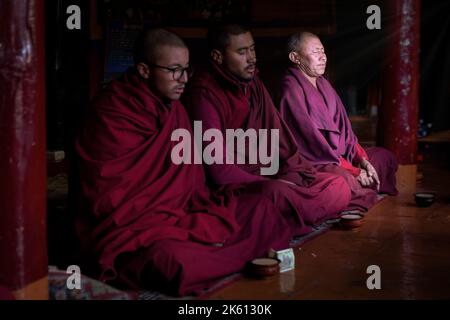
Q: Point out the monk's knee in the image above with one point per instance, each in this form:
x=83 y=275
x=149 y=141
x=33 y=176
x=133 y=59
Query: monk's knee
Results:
x=382 y=156
x=341 y=187
x=164 y=255
x=165 y=266
x=271 y=190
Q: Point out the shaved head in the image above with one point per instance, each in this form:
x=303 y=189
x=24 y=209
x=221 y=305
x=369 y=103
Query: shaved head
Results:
x=297 y=40
x=147 y=48
x=161 y=58
x=306 y=51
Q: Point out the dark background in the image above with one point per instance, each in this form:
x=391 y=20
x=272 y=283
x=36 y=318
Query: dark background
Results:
x=76 y=59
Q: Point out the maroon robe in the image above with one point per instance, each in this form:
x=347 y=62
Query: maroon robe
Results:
x=320 y=125
x=222 y=102
x=145 y=218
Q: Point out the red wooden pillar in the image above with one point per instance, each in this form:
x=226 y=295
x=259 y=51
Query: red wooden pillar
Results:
x=398 y=117
x=23 y=188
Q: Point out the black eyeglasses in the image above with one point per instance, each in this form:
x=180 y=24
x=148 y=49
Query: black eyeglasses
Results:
x=177 y=72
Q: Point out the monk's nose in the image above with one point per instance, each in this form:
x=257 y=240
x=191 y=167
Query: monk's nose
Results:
x=184 y=77
x=251 y=58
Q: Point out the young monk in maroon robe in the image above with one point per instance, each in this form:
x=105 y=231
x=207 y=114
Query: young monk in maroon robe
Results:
x=230 y=95
x=322 y=130
x=148 y=222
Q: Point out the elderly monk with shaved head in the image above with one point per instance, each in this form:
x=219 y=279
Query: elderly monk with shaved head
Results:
x=321 y=127
x=146 y=222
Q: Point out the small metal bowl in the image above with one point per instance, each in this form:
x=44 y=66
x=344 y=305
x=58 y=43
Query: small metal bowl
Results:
x=424 y=199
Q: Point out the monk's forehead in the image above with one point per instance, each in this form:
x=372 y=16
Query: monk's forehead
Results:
x=242 y=40
x=167 y=55
x=310 y=42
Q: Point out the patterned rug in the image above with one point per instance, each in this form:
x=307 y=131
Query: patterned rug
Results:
x=91 y=289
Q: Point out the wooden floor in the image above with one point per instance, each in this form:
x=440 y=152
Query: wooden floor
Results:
x=411 y=246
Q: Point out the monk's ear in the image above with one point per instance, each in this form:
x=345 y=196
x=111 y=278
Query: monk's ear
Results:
x=217 y=56
x=293 y=56
x=143 y=70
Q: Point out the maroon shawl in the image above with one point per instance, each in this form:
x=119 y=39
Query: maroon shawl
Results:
x=223 y=102
x=317 y=119
x=133 y=194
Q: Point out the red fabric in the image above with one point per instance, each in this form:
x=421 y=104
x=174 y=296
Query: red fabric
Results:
x=6 y=294
x=222 y=102
x=227 y=104
x=133 y=194
x=317 y=119
x=386 y=165
x=362 y=199
x=187 y=267
x=324 y=134
x=150 y=223
x=344 y=164
x=361 y=154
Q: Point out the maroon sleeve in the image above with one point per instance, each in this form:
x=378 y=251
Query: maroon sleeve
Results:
x=349 y=167
x=360 y=154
